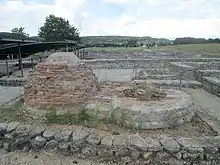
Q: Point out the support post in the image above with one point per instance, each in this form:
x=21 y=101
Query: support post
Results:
x=32 y=63
x=180 y=84
x=75 y=49
x=20 y=61
x=78 y=52
x=7 y=69
x=67 y=48
x=83 y=53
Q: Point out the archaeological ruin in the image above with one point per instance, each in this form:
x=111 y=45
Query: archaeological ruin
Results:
x=149 y=108
x=60 y=80
x=63 y=80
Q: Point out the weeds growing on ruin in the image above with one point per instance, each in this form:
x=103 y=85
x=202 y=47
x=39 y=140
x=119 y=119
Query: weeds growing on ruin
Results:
x=143 y=93
x=90 y=119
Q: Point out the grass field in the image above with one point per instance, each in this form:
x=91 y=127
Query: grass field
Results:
x=203 y=49
x=212 y=50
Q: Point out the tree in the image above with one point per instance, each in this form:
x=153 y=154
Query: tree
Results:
x=132 y=43
x=57 y=28
x=20 y=31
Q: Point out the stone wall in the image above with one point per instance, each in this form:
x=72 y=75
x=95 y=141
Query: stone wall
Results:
x=211 y=84
x=137 y=55
x=12 y=81
x=186 y=72
x=122 y=148
x=62 y=80
x=157 y=63
x=208 y=65
x=206 y=73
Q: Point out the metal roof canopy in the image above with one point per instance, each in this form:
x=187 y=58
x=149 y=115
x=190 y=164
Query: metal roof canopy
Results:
x=31 y=48
x=9 y=41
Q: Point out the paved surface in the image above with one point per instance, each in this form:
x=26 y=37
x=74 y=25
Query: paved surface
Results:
x=209 y=106
x=115 y=74
x=43 y=158
x=9 y=93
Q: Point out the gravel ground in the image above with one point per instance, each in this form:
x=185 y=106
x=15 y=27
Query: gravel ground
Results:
x=42 y=158
x=208 y=106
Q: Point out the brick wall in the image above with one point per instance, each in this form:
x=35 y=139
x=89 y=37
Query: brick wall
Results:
x=60 y=82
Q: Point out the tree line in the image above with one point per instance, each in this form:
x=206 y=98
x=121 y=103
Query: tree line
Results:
x=190 y=40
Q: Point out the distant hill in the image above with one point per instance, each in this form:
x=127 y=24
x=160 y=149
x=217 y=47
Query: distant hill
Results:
x=118 y=40
x=19 y=37
x=124 y=40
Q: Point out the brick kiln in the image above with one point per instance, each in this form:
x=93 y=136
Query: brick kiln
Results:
x=61 y=80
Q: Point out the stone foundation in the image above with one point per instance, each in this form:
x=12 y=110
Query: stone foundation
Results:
x=12 y=81
x=61 y=80
x=122 y=148
x=173 y=110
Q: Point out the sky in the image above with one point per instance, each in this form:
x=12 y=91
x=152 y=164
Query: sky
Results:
x=155 y=18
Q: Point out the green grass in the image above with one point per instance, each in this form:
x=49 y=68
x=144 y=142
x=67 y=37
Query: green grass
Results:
x=210 y=50
x=67 y=118
x=203 y=49
x=13 y=113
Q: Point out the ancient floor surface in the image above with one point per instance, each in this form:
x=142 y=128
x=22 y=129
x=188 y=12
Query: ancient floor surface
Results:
x=9 y=93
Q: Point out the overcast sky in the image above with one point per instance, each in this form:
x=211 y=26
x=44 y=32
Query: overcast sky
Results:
x=156 y=18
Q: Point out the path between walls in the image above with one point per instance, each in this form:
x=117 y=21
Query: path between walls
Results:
x=208 y=106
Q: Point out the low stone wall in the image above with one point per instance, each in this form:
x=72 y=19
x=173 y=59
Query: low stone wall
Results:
x=125 y=64
x=207 y=65
x=12 y=81
x=187 y=72
x=140 y=55
x=3 y=68
x=158 y=63
x=212 y=84
x=123 y=148
x=172 y=83
x=206 y=73
x=173 y=110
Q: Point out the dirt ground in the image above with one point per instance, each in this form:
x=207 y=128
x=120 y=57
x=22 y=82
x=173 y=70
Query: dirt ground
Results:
x=42 y=158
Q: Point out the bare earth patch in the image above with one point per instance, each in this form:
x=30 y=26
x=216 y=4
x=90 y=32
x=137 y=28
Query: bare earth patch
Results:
x=42 y=158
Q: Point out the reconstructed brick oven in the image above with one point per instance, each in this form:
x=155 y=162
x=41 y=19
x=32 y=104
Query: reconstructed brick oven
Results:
x=61 y=80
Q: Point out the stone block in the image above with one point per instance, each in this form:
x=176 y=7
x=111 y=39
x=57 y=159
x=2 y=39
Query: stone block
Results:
x=170 y=144
x=94 y=139
x=79 y=137
x=38 y=142
x=49 y=134
x=107 y=141
x=12 y=126
x=63 y=135
x=52 y=144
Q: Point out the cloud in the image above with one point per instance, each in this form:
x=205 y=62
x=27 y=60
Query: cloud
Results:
x=156 y=18
x=169 y=28
x=128 y=20
x=117 y=1
x=32 y=15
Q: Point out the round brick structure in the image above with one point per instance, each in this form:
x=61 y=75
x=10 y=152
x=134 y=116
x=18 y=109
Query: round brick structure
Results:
x=61 y=80
x=173 y=110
